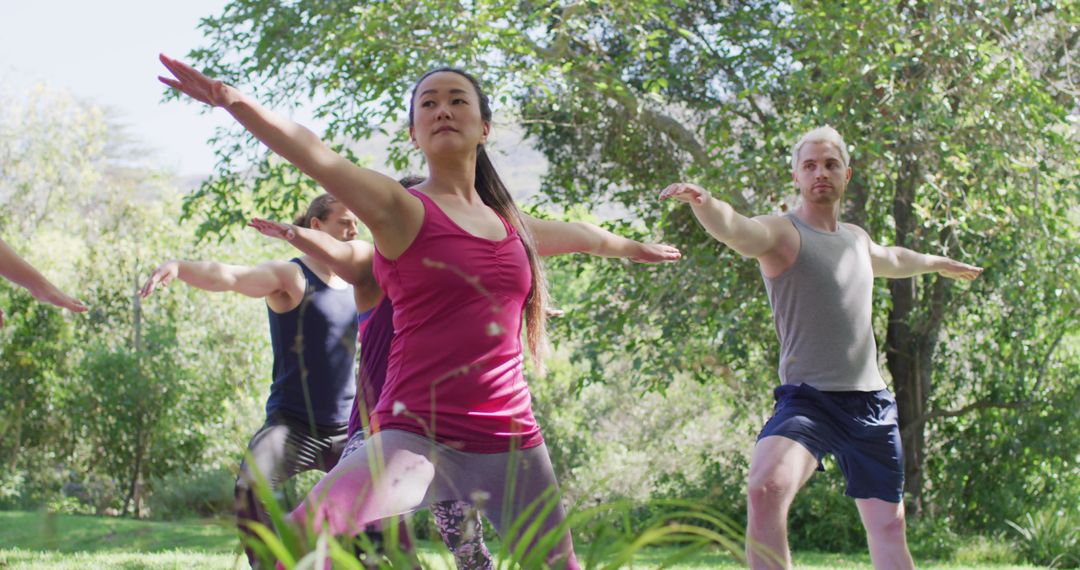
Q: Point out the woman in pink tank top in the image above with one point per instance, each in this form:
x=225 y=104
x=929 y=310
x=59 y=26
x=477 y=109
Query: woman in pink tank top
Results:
x=461 y=265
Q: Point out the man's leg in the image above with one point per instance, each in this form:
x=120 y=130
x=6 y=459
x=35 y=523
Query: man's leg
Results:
x=885 y=532
x=779 y=467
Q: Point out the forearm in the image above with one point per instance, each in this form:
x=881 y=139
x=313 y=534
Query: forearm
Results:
x=901 y=262
x=20 y=272
x=338 y=255
x=600 y=242
x=290 y=140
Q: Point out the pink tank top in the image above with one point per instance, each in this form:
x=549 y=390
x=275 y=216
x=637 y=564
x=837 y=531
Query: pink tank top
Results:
x=455 y=371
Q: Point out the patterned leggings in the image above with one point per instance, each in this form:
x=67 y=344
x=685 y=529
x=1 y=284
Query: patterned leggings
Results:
x=458 y=522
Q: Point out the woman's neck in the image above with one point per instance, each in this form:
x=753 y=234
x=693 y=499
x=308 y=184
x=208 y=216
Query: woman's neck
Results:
x=454 y=176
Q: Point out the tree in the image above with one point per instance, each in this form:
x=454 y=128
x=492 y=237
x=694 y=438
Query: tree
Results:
x=958 y=116
x=124 y=392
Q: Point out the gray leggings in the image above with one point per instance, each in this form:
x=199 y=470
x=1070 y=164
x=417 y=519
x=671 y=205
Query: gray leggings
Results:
x=397 y=472
x=458 y=522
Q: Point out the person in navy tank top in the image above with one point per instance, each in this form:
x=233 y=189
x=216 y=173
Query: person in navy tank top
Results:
x=460 y=263
x=819 y=273
x=313 y=325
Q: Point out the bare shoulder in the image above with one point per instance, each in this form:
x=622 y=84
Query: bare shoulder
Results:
x=289 y=276
x=854 y=228
x=781 y=228
x=858 y=231
x=772 y=221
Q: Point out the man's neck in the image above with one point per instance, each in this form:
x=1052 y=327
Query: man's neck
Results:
x=822 y=217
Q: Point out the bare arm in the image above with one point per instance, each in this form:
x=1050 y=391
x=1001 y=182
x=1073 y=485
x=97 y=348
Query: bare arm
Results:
x=895 y=262
x=22 y=273
x=749 y=237
x=259 y=281
x=378 y=200
x=555 y=238
x=351 y=260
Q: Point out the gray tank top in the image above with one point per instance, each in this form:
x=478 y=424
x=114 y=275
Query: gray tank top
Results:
x=821 y=307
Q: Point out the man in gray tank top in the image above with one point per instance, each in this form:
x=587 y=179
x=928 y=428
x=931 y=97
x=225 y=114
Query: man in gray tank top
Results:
x=819 y=274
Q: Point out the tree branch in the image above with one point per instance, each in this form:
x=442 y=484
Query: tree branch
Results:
x=980 y=405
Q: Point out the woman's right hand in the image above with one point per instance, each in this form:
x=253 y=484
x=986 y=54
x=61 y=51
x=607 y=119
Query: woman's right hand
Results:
x=273 y=229
x=196 y=85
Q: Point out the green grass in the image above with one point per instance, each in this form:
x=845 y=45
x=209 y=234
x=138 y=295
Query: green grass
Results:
x=71 y=542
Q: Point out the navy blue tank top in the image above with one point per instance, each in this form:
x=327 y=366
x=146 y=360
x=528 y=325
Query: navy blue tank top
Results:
x=325 y=346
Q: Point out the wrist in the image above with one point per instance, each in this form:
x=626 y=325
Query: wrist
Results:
x=703 y=202
x=936 y=263
x=232 y=99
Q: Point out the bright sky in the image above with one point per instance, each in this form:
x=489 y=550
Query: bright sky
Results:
x=105 y=52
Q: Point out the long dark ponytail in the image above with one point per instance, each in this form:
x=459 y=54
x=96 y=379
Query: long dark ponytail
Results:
x=494 y=194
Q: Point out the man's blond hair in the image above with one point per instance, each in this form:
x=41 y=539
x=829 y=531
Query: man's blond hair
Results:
x=824 y=134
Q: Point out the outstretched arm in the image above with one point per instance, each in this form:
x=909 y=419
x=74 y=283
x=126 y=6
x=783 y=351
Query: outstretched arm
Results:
x=22 y=273
x=555 y=238
x=749 y=237
x=259 y=281
x=351 y=260
x=895 y=262
x=379 y=201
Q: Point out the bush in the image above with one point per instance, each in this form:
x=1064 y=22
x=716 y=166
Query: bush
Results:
x=203 y=493
x=934 y=538
x=822 y=518
x=1050 y=538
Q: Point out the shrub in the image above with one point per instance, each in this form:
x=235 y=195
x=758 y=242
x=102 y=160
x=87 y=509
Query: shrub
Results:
x=202 y=493
x=823 y=518
x=1050 y=538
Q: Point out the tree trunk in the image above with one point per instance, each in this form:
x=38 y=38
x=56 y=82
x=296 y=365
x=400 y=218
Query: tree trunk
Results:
x=905 y=353
x=16 y=438
x=136 y=470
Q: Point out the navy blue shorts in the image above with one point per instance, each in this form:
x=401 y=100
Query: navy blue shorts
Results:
x=859 y=428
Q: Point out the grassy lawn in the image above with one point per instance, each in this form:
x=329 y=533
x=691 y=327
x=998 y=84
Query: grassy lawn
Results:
x=67 y=542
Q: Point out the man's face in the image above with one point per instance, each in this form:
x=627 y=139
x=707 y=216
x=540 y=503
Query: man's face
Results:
x=340 y=223
x=820 y=173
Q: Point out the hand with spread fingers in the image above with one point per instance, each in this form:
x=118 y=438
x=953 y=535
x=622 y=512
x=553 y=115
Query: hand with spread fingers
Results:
x=273 y=229
x=194 y=84
x=161 y=277
x=684 y=192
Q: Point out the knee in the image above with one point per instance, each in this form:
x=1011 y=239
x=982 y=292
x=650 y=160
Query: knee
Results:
x=889 y=529
x=770 y=491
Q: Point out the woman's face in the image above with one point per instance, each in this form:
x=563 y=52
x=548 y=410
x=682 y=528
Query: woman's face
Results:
x=446 y=115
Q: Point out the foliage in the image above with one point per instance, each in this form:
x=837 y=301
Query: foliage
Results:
x=161 y=387
x=960 y=119
x=202 y=492
x=1050 y=538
